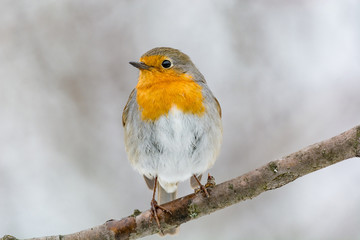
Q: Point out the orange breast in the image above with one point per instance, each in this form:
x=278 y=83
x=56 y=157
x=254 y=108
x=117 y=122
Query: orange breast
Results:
x=158 y=92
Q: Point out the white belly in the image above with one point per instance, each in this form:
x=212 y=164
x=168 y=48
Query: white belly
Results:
x=175 y=147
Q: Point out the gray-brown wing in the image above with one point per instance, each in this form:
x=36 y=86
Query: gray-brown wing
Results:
x=218 y=106
x=126 y=108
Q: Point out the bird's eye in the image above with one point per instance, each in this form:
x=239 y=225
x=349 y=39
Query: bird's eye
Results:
x=166 y=64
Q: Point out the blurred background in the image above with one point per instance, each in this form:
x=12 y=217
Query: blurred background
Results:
x=287 y=75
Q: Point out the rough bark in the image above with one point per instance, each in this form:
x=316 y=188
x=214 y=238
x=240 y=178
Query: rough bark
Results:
x=270 y=176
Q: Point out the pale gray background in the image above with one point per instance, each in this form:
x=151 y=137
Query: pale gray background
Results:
x=287 y=74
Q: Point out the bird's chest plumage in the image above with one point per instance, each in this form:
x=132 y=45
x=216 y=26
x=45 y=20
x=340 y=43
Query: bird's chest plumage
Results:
x=157 y=94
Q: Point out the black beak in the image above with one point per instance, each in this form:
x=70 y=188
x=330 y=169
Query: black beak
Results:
x=140 y=65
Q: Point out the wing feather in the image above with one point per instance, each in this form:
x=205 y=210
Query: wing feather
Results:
x=126 y=108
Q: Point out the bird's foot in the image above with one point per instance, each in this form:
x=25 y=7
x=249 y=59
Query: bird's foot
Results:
x=210 y=183
x=202 y=187
x=154 y=207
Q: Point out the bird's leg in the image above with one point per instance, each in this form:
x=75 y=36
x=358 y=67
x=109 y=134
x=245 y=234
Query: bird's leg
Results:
x=155 y=206
x=202 y=187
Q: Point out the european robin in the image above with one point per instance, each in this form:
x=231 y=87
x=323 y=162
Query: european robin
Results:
x=172 y=124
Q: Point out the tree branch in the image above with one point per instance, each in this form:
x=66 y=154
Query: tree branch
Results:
x=270 y=176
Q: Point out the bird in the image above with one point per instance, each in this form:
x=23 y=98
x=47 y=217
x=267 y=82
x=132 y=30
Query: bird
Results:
x=172 y=124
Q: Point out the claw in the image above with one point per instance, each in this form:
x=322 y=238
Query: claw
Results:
x=201 y=187
x=155 y=206
x=210 y=181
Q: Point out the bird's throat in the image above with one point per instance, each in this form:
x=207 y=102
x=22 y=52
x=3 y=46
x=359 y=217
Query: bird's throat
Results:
x=158 y=92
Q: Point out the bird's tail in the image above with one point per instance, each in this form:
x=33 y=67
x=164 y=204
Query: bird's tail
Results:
x=164 y=197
